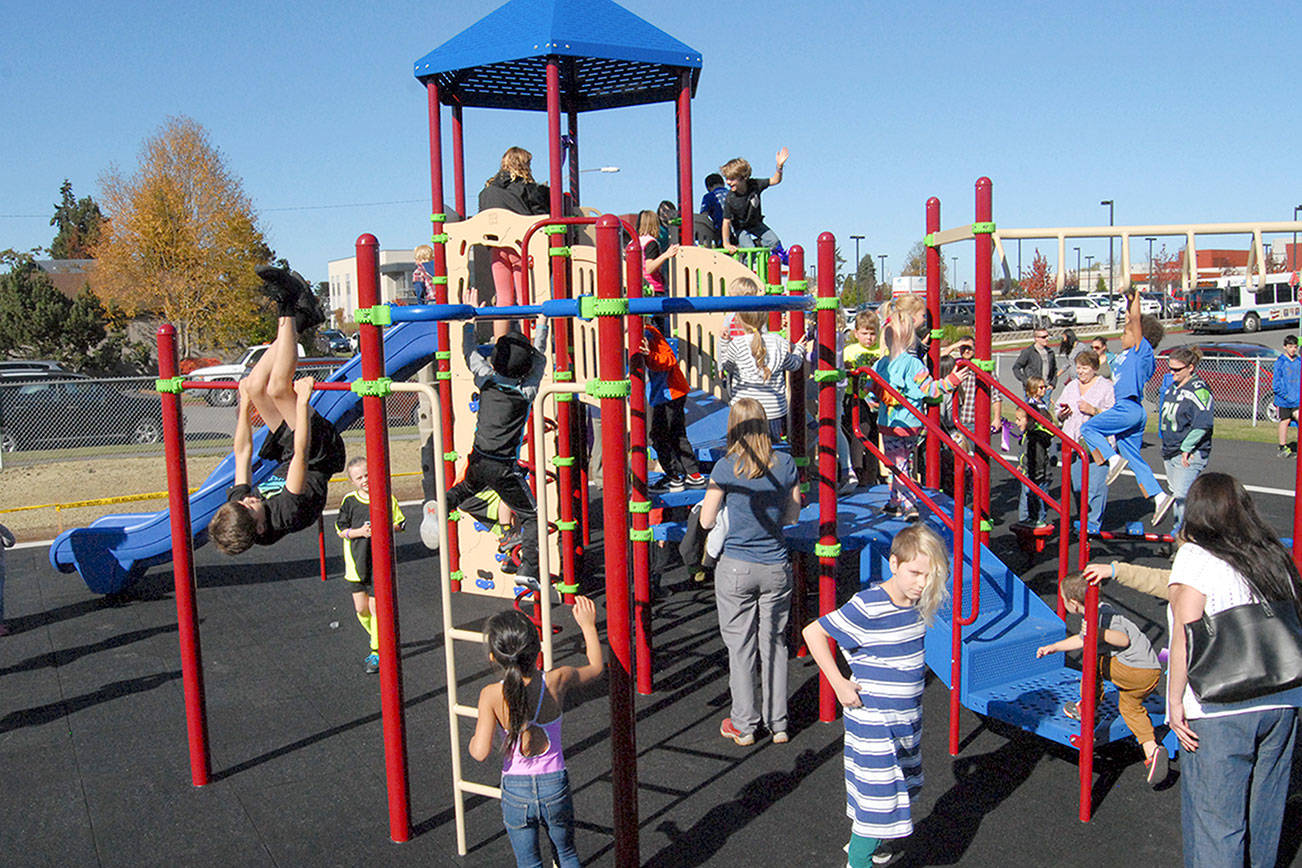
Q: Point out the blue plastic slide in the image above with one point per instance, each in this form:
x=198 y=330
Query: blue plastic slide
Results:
x=117 y=549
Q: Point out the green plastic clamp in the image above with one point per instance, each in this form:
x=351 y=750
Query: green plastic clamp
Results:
x=773 y=289
x=438 y=218
x=827 y=551
x=590 y=306
x=563 y=376
x=380 y=315
x=558 y=251
x=442 y=375
x=555 y=229
x=797 y=285
x=937 y=334
x=804 y=488
x=829 y=303
x=171 y=385
x=451 y=456
x=562 y=461
x=984 y=228
x=641 y=535
x=373 y=388
x=567 y=589
x=443 y=354
x=986 y=365
x=437 y=280
x=608 y=388
x=457 y=576
x=440 y=238
x=801 y=460
x=986 y=526
x=565 y=396
x=572 y=524
x=642 y=506
x=929 y=240
x=835 y=375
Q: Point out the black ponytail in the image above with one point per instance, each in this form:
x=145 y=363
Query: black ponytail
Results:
x=513 y=644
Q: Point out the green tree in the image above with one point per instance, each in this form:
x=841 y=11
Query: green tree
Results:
x=1102 y=286
x=858 y=288
x=79 y=223
x=182 y=239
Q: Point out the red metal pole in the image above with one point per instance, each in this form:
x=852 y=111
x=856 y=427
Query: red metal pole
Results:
x=773 y=279
x=443 y=361
x=458 y=164
x=1088 y=687
x=572 y=130
x=641 y=504
x=933 y=351
x=797 y=433
x=320 y=544
x=685 y=205
x=983 y=359
x=956 y=597
x=562 y=337
x=614 y=503
x=187 y=611
x=1297 y=500
x=826 y=318
x=386 y=597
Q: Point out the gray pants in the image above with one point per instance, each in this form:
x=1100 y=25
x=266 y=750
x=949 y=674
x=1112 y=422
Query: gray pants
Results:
x=754 y=602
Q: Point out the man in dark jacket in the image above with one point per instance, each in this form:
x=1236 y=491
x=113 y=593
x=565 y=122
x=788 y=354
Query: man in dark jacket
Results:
x=1037 y=360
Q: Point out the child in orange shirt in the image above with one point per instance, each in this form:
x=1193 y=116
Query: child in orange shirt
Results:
x=667 y=397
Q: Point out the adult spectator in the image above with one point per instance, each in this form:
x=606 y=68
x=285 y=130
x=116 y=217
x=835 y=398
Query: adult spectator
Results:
x=1234 y=773
x=1085 y=396
x=756 y=486
x=1185 y=421
x=1106 y=357
x=1069 y=347
x=1287 y=379
x=1037 y=360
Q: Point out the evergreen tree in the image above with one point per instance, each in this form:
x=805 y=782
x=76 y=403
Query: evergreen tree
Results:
x=79 y=222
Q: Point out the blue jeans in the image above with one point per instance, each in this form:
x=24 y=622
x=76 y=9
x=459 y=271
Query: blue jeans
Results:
x=1179 y=478
x=759 y=235
x=1098 y=495
x=1125 y=421
x=1030 y=509
x=529 y=801
x=1242 y=765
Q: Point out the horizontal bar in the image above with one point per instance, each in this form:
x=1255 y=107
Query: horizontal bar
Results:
x=463 y=635
x=570 y=307
x=479 y=789
x=319 y=386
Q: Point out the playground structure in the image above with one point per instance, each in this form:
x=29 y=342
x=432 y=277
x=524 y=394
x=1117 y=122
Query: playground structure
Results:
x=976 y=647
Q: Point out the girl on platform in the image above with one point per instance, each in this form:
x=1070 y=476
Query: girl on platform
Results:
x=758 y=362
x=880 y=633
x=514 y=189
x=524 y=709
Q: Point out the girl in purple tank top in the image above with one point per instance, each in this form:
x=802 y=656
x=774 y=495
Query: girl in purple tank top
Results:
x=525 y=708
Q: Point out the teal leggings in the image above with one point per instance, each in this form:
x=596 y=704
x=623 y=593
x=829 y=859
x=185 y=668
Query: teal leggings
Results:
x=861 y=851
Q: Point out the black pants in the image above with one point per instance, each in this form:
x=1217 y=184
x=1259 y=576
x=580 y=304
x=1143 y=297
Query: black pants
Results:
x=864 y=462
x=669 y=438
x=507 y=479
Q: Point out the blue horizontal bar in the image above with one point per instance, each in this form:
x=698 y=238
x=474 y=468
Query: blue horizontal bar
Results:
x=569 y=307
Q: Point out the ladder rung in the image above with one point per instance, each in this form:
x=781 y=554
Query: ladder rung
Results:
x=465 y=710
x=479 y=789
x=465 y=635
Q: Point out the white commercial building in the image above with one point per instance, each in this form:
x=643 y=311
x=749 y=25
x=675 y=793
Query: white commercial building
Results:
x=396 y=270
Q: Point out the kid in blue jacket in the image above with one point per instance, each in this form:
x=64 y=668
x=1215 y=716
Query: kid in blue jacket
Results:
x=1287 y=380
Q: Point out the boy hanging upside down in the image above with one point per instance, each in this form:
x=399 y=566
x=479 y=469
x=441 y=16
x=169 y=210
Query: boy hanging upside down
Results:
x=307 y=448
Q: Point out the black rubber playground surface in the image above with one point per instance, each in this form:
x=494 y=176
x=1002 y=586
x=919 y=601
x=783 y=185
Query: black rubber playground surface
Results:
x=94 y=767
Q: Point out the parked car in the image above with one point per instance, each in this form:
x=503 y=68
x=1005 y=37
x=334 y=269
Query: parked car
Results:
x=1237 y=373
x=77 y=412
x=19 y=368
x=958 y=313
x=333 y=340
x=1154 y=303
x=1059 y=314
x=1009 y=317
x=239 y=369
x=1088 y=310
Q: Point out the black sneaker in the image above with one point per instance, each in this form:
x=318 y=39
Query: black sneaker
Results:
x=528 y=582
x=695 y=480
x=308 y=312
x=660 y=486
x=282 y=285
x=510 y=541
x=676 y=483
x=888 y=852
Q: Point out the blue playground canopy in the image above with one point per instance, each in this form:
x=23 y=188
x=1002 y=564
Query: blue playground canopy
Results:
x=609 y=57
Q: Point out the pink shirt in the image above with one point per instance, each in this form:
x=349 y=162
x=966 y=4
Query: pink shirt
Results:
x=1099 y=394
x=550 y=760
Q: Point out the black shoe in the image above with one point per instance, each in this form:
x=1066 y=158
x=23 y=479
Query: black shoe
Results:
x=308 y=312
x=282 y=286
x=696 y=480
x=510 y=541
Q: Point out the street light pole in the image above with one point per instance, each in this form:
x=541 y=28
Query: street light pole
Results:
x=881 y=273
x=1079 y=282
x=857 y=239
x=1089 y=265
x=1293 y=266
x=1111 y=284
x=1150 y=239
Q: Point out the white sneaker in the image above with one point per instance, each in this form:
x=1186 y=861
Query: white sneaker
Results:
x=1116 y=464
x=430 y=532
x=1161 y=505
x=850 y=485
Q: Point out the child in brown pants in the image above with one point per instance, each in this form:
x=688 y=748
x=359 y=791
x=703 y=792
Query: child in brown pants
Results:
x=1126 y=659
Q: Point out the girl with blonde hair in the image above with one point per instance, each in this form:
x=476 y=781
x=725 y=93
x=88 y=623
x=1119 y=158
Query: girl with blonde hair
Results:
x=881 y=634
x=757 y=363
x=757 y=485
x=514 y=189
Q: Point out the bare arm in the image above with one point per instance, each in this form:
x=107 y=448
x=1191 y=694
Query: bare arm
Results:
x=1116 y=638
x=243 y=444
x=585 y=616
x=650 y=267
x=1187 y=605
x=725 y=232
x=1133 y=331
x=777 y=173
x=1071 y=643
x=816 y=639
x=296 y=475
x=481 y=743
x=710 y=505
x=792 y=512
x=1149 y=580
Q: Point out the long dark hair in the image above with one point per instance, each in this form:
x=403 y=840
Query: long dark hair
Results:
x=514 y=645
x=1068 y=341
x=1220 y=516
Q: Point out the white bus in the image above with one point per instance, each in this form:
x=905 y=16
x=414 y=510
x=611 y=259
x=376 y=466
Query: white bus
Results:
x=1242 y=304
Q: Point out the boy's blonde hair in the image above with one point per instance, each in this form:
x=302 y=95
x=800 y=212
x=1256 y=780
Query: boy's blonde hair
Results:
x=748 y=438
x=754 y=322
x=743 y=286
x=866 y=319
x=423 y=253
x=232 y=529
x=354 y=462
x=918 y=539
x=735 y=169
x=1034 y=384
x=648 y=223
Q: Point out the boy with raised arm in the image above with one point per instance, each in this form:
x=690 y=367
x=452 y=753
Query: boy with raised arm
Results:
x=306 y=447
x=742 y=214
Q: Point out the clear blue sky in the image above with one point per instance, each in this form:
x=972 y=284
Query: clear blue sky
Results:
x=1181 y=113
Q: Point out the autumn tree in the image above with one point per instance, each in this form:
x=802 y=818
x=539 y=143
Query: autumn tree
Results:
x=182 y=239
x=915 y=264
x=79 y=223
x=1040 y=282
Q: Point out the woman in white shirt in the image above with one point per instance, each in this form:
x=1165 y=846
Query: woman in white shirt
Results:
x=1238 y=756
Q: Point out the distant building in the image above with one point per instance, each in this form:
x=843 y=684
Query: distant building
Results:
x=68 y=275
x=396 y=284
